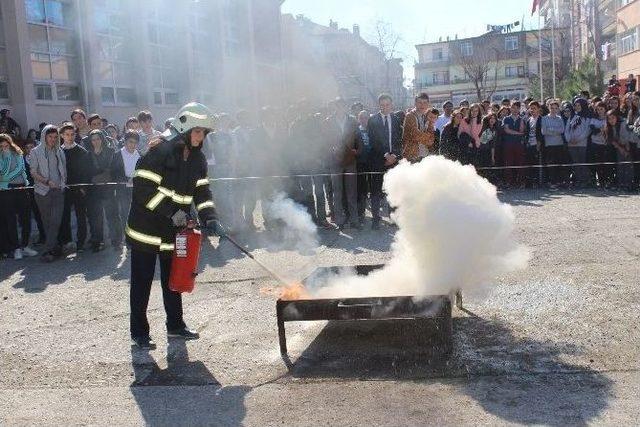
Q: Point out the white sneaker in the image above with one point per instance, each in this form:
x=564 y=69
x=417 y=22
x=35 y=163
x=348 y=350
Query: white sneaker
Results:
x=29 y=252
x=17 y=254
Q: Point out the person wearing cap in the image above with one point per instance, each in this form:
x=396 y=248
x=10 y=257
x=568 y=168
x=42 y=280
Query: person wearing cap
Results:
x=167 y=182
x=445 y=117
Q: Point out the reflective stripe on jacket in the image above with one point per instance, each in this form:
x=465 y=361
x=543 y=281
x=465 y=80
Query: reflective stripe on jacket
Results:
x=164 y=183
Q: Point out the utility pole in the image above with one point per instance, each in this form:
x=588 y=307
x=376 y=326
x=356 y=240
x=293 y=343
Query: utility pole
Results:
x=540 y=57
x=553 y=47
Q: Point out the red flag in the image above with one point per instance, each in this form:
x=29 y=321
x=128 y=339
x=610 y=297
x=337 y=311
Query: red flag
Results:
x=536 y=5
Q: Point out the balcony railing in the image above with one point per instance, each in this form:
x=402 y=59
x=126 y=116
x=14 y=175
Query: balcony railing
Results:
x=456 y=81
x=433 y=63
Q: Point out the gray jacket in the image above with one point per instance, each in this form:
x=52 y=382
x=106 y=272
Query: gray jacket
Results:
x=38 y=163
x=552 y=129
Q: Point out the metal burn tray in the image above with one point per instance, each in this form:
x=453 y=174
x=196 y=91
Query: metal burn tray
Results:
x=436 y=308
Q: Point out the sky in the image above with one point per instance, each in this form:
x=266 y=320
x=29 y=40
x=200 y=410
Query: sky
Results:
x=417 y=21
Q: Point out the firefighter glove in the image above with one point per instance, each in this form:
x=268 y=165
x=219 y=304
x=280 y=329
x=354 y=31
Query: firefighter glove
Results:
x=214 y=228
x=179 y=218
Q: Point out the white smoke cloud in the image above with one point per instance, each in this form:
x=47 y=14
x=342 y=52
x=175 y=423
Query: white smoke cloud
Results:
x=299 y=230
x=453 y=233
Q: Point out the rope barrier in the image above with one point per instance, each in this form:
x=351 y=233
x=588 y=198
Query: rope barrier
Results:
x=296 y=176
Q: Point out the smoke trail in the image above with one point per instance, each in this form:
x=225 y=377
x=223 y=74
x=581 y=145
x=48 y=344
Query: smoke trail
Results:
x=299 y=230
x=454 y=233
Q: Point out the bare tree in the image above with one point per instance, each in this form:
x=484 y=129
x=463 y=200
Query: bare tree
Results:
x=349 y=74
x=387 y=41
x=479 y=63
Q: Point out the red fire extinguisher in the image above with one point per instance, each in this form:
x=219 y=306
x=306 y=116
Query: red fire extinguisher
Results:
x=184 y=265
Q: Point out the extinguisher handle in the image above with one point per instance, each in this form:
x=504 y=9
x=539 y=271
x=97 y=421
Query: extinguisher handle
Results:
x=191 y=223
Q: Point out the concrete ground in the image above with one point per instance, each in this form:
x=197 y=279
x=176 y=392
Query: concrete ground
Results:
x=557 y=344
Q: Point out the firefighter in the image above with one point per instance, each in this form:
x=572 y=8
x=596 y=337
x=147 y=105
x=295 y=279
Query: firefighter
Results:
x=168 y=181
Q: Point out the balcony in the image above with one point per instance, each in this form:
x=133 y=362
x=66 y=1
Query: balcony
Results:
x=501 y=80
x=424 y=85
x=444 y=62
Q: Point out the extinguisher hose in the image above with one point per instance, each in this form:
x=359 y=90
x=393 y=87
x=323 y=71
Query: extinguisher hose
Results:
x=250 y=255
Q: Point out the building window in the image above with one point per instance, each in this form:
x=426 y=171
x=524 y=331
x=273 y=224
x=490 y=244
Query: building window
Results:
x=67 y=92
x=43 y=92
x=115 y=68
x=511 y=43
x=126 y=95
x=52 y=42
x=4 y=86
x=235 y=20
x=629 y=41
x=514 y=70
x=466 y=48
x=162 y=43
x=440 y=78
x=171 y=98
x=438 y=54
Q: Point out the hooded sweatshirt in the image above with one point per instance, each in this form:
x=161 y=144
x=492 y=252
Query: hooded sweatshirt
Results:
x=50 y=163
x=577 y=130
x=100 y=163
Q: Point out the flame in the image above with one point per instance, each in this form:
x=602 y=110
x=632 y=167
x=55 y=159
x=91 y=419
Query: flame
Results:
x=291 y=292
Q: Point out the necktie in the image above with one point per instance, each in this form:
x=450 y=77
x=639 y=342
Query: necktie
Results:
x=387 y=129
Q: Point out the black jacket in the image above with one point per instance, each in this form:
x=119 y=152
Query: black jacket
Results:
x=100 y=165
x=378 y=138
x=163 y=184
x=450 y=145
x=78 y=165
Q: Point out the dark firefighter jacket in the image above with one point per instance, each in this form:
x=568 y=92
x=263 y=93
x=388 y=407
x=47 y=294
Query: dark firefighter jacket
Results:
x=163 y=183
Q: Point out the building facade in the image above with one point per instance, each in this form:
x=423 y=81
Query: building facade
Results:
x=115 y=57
x=628 y=38
x=492 y=66
x=603 y=29
x=323 y=62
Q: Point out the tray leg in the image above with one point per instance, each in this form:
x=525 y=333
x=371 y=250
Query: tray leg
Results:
x=282 y=335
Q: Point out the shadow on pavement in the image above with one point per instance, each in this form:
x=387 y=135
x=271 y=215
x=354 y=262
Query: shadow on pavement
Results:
x=517 y=379
x=527 y=381
x=537 y=197
x=185 y=393
x=38 y=276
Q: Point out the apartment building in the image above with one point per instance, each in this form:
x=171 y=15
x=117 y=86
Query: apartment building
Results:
x=115 y=57
x=628 y=37
x=323 y=62
x=498 y=65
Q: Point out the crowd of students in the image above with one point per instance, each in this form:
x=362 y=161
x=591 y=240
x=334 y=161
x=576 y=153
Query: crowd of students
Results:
x=331 y=159
x=63 y=167
x=595 y=139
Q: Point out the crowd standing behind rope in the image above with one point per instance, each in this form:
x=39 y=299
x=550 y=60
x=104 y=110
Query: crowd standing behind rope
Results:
x=330 y=159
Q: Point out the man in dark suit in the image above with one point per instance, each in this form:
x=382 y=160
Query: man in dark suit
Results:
x=385 y=135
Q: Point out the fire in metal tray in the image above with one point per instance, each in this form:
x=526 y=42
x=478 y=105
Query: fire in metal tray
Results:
x=296 y=304
x=292 y=292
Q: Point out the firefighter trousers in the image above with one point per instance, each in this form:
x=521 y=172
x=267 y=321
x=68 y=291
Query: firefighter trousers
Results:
x=143 y=265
